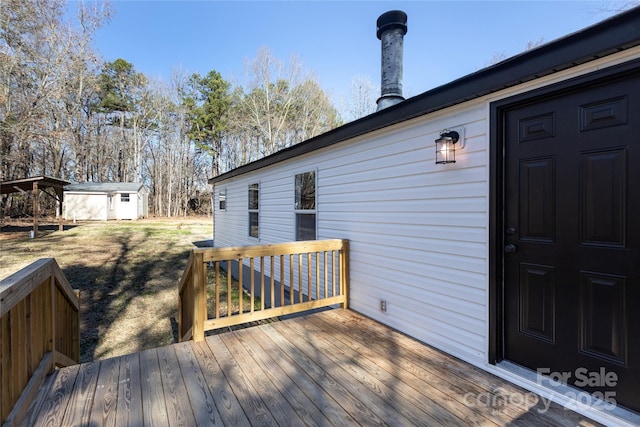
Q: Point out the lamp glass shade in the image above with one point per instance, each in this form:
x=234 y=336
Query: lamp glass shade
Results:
x=445 y=150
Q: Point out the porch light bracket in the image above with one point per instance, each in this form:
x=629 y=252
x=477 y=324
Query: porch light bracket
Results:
x=446 y=146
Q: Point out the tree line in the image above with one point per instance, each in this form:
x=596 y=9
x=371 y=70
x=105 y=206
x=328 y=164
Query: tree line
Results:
x=66 y=113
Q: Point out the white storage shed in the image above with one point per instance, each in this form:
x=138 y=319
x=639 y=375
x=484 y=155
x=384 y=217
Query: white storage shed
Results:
x=104 y=201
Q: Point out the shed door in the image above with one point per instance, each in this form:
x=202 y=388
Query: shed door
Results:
x=572 y=237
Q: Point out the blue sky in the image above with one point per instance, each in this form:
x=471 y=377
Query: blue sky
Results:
x=335 y=39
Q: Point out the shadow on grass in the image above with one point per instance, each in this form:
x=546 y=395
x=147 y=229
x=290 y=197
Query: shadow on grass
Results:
x=108 y=290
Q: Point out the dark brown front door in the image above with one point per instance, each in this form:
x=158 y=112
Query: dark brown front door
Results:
x=572 y=237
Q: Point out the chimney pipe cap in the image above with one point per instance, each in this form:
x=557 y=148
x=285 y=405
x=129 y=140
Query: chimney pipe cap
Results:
x=390 y=21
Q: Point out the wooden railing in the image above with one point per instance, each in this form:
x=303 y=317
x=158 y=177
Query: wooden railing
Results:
x=268 y=281
x=39 y=330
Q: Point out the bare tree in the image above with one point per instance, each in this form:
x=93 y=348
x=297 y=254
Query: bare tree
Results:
x=64 y=112
x=281 y=105
x=361 y=99
x=269 y=99
x=312 y=114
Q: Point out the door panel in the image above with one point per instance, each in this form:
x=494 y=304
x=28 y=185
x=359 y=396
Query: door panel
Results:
x=537 y=301
x=537 y=200
x=572 y=247
x=603 y=179
x=604 y=332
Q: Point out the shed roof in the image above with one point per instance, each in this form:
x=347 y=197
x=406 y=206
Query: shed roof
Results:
x=617 y=33
x=104 y=187
x=26 y=184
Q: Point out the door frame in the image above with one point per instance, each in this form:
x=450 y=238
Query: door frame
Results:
x=497 y=146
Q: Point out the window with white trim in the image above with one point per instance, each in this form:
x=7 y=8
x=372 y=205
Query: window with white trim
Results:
x=124 y=197
x=305 y=206
x=222 y=200
x=254 y=200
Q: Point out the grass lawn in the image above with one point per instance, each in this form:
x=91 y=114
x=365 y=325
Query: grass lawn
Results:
x=127 y=273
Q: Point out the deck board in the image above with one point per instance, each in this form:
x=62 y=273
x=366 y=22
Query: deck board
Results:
x=251 y=402
x=303 y=408
x=154 y=409
x=56 y=399
x=280 y=408
x=432 y=364
x=200 y=398
x=334 y=367
x=299 y=401
x=370 y=392
x=403 y=391
x=390 y=365
x=179 y=409
x=81 y=400
x=129 y=408
x=320 y=374
x=283 y=362
x=105 y=400
x=225 y=400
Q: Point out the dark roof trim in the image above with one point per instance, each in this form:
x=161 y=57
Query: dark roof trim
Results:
x=612 y=35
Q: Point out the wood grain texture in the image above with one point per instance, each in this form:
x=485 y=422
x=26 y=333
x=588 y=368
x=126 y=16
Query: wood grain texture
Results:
x=229 y=408
x=334 y=367
x=81 y=399
x=304 y=408
x=322 y=374
x=416 y=408
x=392 y=364
x=179 y=410
x=241 y=385
x=129 y=409
x=370 y=393
x=16 y=287
x=154 y=406
x=31 y=390
x=283 y=364
x=202 y=404
x=52 y=412
x=226 y=253
x=279 y=407
x=105 y=401
x=36 y=317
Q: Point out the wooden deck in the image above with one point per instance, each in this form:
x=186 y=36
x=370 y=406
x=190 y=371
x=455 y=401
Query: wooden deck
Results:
x=330 y=368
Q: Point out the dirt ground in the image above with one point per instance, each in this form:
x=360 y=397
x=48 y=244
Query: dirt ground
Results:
x=127 y=273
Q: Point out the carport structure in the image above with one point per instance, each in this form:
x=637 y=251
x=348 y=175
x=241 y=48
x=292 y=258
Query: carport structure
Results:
x=35 y=185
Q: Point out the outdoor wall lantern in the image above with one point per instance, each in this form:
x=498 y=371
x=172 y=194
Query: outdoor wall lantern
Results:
x=446 y=147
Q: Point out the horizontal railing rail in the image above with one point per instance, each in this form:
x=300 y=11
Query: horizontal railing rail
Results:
x=39 y=330
x=223 y=287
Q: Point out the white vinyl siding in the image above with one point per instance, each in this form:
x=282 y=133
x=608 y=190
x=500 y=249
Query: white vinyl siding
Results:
x=418 y=231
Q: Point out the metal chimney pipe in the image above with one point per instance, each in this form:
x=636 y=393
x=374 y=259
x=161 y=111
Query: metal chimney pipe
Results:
x=391 y=28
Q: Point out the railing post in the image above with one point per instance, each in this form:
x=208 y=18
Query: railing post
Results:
x=76 y=329
x=344 y=273
x=199 y=296
x=52 y=318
